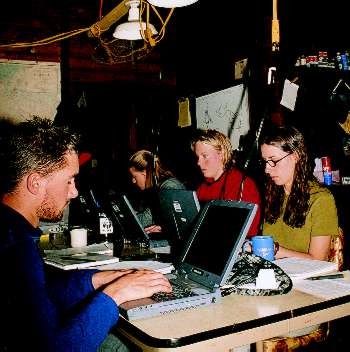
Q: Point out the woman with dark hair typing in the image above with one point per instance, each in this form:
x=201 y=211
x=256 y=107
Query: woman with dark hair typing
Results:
x=151 y=177
x=300 y=214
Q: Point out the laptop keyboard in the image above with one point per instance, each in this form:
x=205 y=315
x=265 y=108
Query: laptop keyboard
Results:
x=178 y=292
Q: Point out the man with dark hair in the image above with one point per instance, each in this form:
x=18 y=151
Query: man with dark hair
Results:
x=68 y=311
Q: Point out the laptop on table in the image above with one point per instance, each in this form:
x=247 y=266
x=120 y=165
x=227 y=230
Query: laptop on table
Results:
x=129 y=224
x=205 y=263
x=179 y=208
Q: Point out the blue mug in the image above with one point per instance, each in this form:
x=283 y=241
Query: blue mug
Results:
x=263 y=246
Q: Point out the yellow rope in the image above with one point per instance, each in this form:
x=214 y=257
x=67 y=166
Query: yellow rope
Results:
x=46 y=41
x=96 y=30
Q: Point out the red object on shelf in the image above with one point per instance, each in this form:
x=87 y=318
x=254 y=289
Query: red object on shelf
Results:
x=326 y=164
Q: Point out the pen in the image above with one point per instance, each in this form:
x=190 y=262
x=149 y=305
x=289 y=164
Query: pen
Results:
x=334 y=276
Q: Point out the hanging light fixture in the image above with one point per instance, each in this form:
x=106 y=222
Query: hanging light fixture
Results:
x=133 y=29
x=171 y=3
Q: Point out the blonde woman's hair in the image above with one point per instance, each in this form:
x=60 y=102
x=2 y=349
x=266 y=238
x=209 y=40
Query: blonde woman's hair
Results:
x=144 y=160
x=217 y=140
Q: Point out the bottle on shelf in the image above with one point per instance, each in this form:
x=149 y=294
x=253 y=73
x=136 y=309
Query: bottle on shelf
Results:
x=327 y=170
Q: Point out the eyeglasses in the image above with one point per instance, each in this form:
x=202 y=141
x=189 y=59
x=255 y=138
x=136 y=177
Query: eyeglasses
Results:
x=271 y=162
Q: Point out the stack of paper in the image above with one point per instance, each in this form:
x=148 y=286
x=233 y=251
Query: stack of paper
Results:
x=164 y=268
x=99 y=248
x=299 y=268
x=80 y=258
x=79 y=261
x=325 y=288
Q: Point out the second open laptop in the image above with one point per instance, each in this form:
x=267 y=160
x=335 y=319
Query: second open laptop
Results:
x=205 y=263
x=179 y=209
x=129 y=224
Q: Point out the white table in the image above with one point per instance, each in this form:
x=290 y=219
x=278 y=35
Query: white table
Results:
x=237 y=321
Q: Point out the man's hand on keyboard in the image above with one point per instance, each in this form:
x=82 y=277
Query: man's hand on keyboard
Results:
x=137 y=284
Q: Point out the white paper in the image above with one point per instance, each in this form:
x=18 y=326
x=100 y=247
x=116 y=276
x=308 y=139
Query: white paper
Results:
x=164 y=268
x=161 y=250
x=79 y=261
x=289 y=96
x=100 y=248
x=325 y=288
x=298 y=268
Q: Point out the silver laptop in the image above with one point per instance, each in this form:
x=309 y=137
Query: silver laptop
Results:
x=205 y=262
x=130 y=226
x=179 y=209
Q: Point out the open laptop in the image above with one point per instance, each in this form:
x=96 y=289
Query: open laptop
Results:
x=178 y=209
x=129 y=224
x=205 y=262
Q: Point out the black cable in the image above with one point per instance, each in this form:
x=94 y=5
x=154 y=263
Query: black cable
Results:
x=245 y=166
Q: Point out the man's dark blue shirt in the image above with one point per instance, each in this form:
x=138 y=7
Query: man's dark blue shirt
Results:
x=42 y=309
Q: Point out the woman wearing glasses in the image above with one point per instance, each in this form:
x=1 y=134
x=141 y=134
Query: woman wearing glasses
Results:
x=223 y=180
x=300 y=214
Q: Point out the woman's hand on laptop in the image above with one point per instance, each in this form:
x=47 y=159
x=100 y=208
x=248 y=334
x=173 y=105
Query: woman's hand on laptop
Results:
x=137 y=284
x=153 y=228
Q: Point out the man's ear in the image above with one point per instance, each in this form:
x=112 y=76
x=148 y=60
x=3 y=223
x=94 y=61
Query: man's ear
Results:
x=34 y=183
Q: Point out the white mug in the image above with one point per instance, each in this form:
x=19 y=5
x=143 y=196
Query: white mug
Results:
x=78 y=237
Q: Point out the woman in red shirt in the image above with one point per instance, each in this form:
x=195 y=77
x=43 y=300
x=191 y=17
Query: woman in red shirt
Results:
x=223 y=180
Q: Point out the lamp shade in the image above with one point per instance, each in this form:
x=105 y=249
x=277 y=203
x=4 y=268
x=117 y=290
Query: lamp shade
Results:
x=132 y=30
x=171 y=3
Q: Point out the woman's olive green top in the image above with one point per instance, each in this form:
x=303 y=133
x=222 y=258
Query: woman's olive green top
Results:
x=321 y=220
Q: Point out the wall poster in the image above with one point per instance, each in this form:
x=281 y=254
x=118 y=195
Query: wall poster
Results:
x=227 y=111
x=29 y=88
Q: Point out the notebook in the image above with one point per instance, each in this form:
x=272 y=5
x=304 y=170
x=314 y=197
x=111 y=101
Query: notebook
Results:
x=302 y=268
x=178 y=209
x=205 y=262
x=130 y=226
x=82 y=260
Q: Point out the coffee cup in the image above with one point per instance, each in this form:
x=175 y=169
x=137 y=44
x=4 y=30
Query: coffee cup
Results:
x=263 y=246
x=78 y=237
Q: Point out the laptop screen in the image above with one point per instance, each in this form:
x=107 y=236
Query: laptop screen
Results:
x=217 y=239
x=126 y=219
x=179 y=208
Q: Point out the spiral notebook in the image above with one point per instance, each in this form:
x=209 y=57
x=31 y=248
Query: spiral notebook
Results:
x=79 y=261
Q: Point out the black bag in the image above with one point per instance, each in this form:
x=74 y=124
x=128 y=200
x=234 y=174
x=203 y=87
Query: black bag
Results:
x=245 y=271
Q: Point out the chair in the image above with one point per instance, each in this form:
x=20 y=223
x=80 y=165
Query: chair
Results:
x=285 y=343
x=336 y=252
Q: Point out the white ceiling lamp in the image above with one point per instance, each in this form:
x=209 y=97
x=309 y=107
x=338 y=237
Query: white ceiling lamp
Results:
x=171 y=3
x=131 y=30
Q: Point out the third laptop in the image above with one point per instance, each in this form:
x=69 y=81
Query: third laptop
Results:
x=129 y=224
